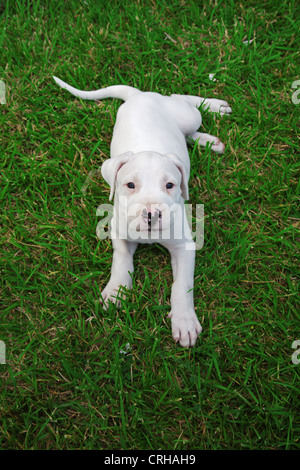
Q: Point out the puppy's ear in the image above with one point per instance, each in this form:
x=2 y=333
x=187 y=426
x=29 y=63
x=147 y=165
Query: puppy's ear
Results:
x=110 y=168
x=184 y=175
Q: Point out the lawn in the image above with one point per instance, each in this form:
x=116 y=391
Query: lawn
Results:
x=75 y=376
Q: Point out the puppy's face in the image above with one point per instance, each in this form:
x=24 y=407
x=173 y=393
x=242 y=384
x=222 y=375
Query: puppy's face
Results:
x=149 y=192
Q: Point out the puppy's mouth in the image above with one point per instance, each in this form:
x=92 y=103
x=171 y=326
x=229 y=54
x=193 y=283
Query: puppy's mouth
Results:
x=149 y=229
x=154 y=229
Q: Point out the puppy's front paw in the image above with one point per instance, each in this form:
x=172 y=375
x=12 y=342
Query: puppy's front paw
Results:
x=110 y=294
x=185 y=328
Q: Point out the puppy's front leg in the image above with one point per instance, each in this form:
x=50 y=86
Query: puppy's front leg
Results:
x=185 y=324
x=122 y=266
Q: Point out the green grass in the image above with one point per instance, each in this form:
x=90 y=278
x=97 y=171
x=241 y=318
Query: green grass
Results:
x=66 y=383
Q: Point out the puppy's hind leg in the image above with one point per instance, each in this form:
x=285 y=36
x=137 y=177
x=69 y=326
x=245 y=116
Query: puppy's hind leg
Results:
x=211 y=104
x=202 y=139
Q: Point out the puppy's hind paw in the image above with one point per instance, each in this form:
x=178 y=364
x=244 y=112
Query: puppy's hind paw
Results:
x=217 y=106
x=225 y=109
x=218 y=147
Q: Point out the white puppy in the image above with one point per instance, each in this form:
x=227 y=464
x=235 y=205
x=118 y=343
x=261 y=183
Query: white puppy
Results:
x=149 y=171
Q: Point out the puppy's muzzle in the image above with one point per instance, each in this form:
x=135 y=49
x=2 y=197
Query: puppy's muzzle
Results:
x=152 y=218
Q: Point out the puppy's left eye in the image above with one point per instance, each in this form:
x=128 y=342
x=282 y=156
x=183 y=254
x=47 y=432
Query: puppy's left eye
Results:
x=130 y=185
x=169 y=185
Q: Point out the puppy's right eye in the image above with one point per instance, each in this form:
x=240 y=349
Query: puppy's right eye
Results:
x=130 y=185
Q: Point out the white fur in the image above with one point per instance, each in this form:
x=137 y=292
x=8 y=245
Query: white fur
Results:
x=149 y=151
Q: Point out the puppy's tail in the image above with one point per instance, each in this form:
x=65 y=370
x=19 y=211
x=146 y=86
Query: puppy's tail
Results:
x=123 y=92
